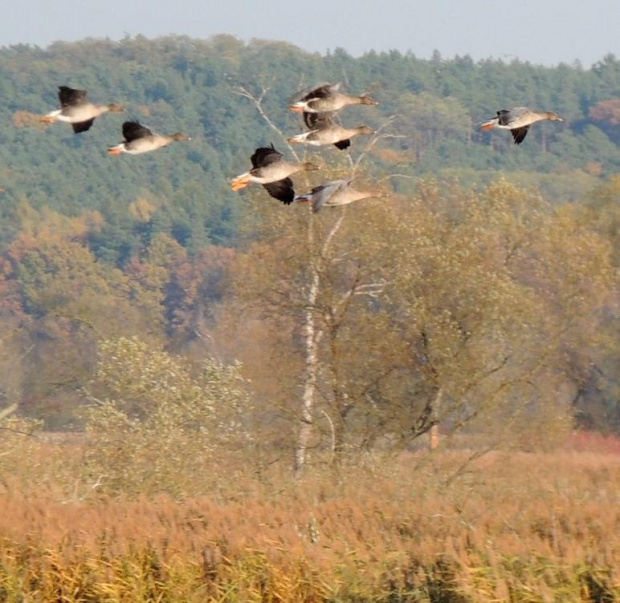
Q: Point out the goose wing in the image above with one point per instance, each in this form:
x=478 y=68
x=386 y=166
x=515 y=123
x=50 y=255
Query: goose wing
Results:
x=519 y=134
x=83 y=126
x=505 y=117
x=318 y=121
x=323 y=121
x=70 y=97
x=282 y=190
x=320 y=91
x=264 y=156
x=324 y=192
x=132 y=130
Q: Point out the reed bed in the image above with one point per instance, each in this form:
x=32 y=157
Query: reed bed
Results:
x=518 y=528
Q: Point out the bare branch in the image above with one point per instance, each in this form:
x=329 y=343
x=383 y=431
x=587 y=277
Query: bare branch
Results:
x=257 y=101
x=19 y=431
x=371 y=289
x=406 y=176
x=373 y=141
x=331 y=234
x=9 y=410
x=92 y=398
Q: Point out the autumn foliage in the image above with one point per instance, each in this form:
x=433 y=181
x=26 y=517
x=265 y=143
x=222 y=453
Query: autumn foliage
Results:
x=512 y=528
x=208 y=396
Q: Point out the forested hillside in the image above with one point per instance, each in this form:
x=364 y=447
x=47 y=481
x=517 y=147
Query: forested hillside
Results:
x=158 y=247
x=208 y=395
x=183 y=84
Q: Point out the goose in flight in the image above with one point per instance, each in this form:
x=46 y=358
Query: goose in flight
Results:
x=272 y=171
x=323 y=130
x=140 y=139
x=335 y=193
x=327 y=97
x=518 y=121
x=77 y=110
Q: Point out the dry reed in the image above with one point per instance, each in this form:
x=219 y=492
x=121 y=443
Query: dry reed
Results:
x=524 y=527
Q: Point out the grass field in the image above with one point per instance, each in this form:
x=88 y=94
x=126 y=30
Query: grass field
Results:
x=507 y=527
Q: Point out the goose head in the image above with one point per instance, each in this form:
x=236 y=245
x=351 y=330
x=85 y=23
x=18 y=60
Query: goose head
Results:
x=366 y=100
x=180 y=136
x=553 y=116
x=365 y=130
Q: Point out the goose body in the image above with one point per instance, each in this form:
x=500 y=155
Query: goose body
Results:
x=335 y=193
x=272 y=171
x=76 y=110
x=323 y=130
x=140 y=139
x=327 y=97
x=518 y=121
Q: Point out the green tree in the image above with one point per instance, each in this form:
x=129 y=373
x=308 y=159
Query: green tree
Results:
x=161 y=425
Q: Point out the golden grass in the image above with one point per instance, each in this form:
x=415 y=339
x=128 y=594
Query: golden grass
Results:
x=519 y=527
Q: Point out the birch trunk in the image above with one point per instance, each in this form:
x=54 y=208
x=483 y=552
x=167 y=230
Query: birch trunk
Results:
x=434 y=431
x=312 y=362
x=312 y=337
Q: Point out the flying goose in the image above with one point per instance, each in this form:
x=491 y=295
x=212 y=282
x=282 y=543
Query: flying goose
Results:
x=327 y=97
x=518 y=121
x=271 y=171
x=337 y=192
x=324 y=130
x=76 y=110
x=139 y=139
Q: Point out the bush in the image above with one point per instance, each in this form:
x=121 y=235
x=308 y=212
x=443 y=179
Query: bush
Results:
x=160 y=424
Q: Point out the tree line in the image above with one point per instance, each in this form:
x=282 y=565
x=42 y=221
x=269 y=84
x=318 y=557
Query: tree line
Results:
x=481 y=296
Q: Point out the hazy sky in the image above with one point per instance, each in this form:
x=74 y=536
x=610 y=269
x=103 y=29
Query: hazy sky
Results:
x=540 y=31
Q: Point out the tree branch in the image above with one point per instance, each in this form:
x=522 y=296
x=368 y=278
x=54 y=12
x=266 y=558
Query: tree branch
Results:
x=257 y=101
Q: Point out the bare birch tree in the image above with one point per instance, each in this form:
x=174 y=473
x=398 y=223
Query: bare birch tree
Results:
x=318 y=259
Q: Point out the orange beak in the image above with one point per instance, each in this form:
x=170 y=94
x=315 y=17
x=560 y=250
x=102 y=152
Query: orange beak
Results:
x=115 y=151
x=296 y=109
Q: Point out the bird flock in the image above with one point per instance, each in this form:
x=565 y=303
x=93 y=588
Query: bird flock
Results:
x=319 y=106
x=78 y=111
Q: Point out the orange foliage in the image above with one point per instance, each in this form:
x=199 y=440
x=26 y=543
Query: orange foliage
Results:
x=608 y=111
x=392 y=156
x=525 y=523
x=593 y=168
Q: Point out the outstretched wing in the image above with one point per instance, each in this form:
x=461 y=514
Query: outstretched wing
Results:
x=83 y=126
x=323 y=91
x=319 y=195
x=282 y=190
x=318 y=121
x=320 y=91
x=519 y=134
x=504 y=117
x=132 y=130
x=265 y=156
x=70 y=97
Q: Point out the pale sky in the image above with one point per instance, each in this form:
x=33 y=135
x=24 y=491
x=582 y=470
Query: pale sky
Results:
x=540 y=31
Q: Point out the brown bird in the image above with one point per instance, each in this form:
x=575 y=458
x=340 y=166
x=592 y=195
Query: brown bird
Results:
x=518 y=121
x=139 y=139
x=324 y=130
x=76 y=110
x=271 y=171
x=327 y=97
x=335 y=193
